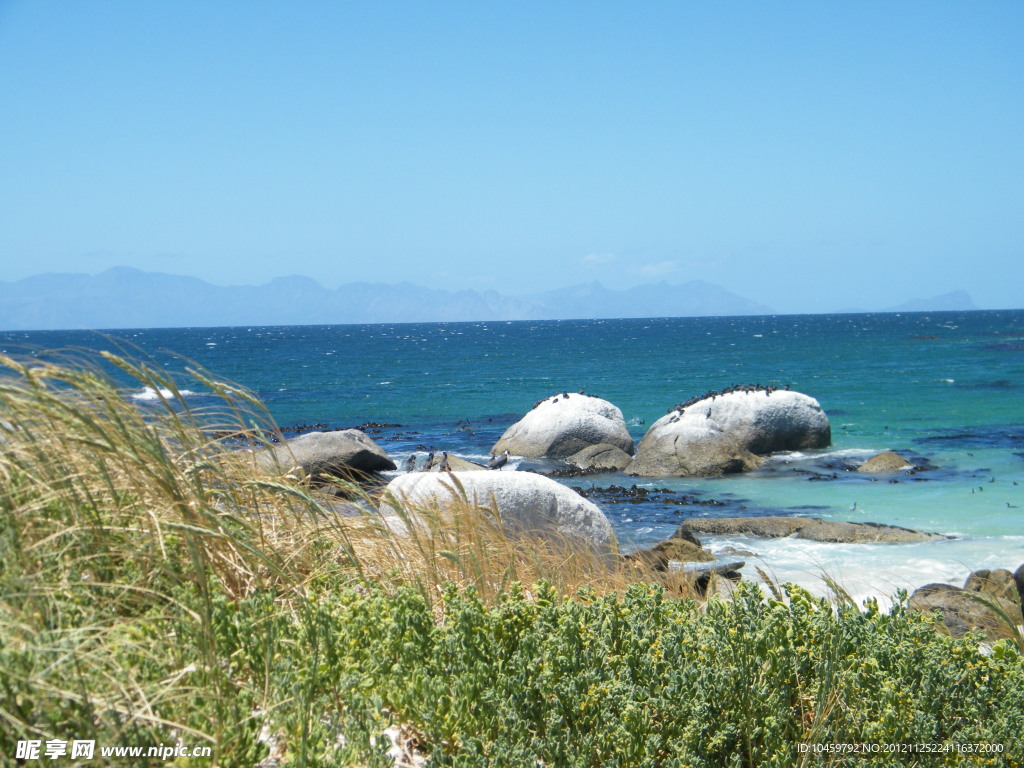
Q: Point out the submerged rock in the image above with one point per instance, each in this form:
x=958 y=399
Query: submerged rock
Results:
x=563 y=425
x=527 y=503
x=886 y=462
x=811 y=528
x=346 y=453
x=729 y=432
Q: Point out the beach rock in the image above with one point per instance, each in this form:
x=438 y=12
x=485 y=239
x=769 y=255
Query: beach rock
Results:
x=601 y=456
x=346 y=453
x=563 y=425
x=886 y=462
x=681 y=550
x=680 y=449
x=528 y=503
x=961 y=610
x=455 y=464
x=729 y=432
x=813 y=529
x=999 y=586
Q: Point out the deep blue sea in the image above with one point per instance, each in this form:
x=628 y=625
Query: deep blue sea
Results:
x=945 y=389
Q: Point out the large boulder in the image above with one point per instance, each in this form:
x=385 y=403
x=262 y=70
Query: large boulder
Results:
x=527 y=503
x=729 y=432
x=811 y=528
x=961 y=610
x=885 y=463
x=601 y=456
x=689 y=448
x=565 y=424
x=346 y=453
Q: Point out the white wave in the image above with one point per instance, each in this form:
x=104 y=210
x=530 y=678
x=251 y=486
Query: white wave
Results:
x=839 y=453
x=868 y=570
x=148 y=393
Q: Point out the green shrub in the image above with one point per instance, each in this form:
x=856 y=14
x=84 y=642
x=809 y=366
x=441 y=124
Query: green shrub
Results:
x=155 y=586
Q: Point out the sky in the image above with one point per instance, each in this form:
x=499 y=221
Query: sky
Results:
x=805 y=155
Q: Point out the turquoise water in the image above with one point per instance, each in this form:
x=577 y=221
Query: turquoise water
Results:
x=943 y=388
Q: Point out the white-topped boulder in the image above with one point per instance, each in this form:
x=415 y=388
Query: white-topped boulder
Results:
x=527 y=503
x=730 y=432
x=564 y=424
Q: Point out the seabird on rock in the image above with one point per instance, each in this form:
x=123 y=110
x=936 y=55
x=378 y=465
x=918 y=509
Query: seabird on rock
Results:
x=410 y=463
x=429 y=461
x=444 y=463
x=497 y=462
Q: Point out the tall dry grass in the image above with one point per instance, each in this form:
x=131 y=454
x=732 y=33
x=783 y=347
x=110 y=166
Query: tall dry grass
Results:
x=127 y=531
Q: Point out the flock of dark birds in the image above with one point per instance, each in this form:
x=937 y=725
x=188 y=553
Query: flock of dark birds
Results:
x=744 y=388
x=564 y=395
x=496 y=462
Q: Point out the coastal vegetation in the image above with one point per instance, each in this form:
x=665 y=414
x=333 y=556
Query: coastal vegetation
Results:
x=158 y=585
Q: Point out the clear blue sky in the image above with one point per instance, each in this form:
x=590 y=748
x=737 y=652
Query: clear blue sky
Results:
x=807 y=155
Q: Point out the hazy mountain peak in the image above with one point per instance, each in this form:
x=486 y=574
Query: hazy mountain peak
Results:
x=294 y=281
x=948 y=302
x=125 y=297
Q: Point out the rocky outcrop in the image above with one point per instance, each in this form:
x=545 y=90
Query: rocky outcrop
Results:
x=563 y=425
x=681 y=449
x=601 y=456
x=729 y=432
x=527 y=503
x=809 y=528
x=661 y=554
x=961 y=610
x=455 y=464
x=885 y=463
x=347 y=453
x=1001 y=587
x=684 y=555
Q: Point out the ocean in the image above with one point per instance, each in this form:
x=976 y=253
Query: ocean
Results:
x=945 y=389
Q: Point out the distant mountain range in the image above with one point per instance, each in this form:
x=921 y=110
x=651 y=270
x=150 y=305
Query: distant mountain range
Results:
x=954 y=301
x=123 y=297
